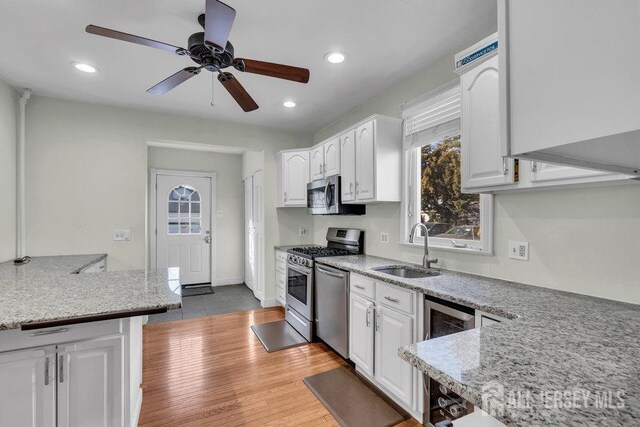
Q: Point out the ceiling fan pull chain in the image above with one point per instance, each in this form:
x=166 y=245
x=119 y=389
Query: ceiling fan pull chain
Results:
x=213 y=89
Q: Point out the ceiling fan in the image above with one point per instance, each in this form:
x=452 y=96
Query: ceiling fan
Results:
x=211 y=51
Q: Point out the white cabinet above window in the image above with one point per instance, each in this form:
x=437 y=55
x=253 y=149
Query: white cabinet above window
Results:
x=370 y=161
x=293 y=176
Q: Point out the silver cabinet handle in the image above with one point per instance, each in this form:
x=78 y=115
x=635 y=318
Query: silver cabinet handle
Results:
x=391 y=299
x=378 y=310
x=46 y=370
x=534 y=167
x=358 y=286
x=351 y=188
x=368 y=313
x=61 y=379
x=49 y=332
x=505 y=170
x=285 y=196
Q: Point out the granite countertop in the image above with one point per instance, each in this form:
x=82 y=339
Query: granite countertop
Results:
x=46 y=289
x=563 y=359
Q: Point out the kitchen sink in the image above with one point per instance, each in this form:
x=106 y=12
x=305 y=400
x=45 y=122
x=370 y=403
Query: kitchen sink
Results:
x=407 y=272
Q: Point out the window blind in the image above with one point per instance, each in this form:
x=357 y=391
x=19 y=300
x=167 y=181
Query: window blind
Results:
x=433 y=119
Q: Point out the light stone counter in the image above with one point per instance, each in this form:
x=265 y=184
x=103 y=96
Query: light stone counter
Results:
x=46 y=289
x=563 y=360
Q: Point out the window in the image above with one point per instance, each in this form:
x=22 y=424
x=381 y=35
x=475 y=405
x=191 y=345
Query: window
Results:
x=184 y=211
x=432 y=190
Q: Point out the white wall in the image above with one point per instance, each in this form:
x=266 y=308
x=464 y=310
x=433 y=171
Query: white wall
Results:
x=8 y=129
x=581 y=240
x=87 y=174
x=229 y=200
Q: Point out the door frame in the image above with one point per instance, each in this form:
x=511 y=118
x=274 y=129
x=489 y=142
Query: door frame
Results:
x=154 y=217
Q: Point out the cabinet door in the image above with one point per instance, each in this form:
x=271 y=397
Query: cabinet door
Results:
x=296 y=177
x=258 y=235
x=365 y=162
x=361 y=333
x=332 y=157
x=27 y=391
x=316 y=162
x=482 y=162
x=545 y=172
x=348 y=166
x=90 y=383
x=393 y=330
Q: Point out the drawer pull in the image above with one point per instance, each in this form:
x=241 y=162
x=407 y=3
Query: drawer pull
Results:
x=391 y=299
x=358 y=286
x=51 y=332
x=46 y=371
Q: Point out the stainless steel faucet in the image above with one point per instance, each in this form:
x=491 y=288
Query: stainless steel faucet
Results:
x=426 y=259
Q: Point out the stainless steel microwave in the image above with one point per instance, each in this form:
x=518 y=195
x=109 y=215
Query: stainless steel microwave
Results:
x=324 y=198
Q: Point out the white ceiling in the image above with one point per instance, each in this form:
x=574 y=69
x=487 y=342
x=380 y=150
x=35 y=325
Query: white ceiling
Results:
x=385 y=40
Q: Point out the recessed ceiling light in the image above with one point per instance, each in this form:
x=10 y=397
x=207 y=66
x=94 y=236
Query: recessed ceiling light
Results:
x=85 y=67
x=335 y=57
x=289 y=104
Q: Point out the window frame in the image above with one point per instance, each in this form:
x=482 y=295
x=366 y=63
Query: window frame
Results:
x=411 y=193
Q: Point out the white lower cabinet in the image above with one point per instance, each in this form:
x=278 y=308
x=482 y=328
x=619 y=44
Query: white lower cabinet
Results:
x=393 y=330
x=75 y=375
x=376 y=332
x=90 y=383
x=361 y=333
x=281 y=277
x=28 y=391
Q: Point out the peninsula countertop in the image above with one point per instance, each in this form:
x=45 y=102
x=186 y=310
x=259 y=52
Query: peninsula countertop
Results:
x=47 y=290
x=563 y=358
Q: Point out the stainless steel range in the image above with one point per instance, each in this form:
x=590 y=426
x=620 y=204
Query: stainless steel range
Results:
x=301 y=293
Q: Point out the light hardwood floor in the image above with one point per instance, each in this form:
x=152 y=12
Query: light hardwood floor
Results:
x=213 y=371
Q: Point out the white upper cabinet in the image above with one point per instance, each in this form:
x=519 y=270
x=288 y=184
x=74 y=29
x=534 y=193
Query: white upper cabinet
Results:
x=482 y=162
x=370 y=161
x=572 y=95
x=316 y=163
x=348 y=165
x=332 y=157
x=293 y=177
x=324 y=159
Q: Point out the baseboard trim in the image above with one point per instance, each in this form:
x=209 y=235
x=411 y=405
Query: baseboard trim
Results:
x=269 y=303
x=229 y=281
x=135 y=416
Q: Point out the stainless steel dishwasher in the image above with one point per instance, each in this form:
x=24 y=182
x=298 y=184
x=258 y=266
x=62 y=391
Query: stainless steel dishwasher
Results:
x=332 y=308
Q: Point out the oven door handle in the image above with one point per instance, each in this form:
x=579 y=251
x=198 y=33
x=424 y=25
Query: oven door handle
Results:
x=299 y=269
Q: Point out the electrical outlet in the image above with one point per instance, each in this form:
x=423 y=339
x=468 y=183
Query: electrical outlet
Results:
x=303 y=231
x=219 y=213
x=519 y=250
x=384 y=237
x=122 y=235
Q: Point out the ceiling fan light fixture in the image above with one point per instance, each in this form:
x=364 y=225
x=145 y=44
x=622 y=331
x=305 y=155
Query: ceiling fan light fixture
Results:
x=85 y=68
x=335 y=57
x=289 y=104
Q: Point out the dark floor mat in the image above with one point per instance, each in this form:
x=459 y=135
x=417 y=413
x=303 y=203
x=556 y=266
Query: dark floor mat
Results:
x=278 y=335
x=197 y=290
x=351 y=402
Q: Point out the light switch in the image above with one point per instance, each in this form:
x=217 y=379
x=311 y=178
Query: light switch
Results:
x=122 y=235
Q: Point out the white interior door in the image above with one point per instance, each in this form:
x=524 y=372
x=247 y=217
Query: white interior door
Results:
x=258 y=234
x=249 y=252
x=183 y=226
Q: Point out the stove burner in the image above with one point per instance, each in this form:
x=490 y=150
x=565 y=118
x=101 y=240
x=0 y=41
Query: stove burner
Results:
x=317 y=252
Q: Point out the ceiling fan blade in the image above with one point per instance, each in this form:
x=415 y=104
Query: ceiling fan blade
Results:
x=174 y=80
x=219 y=18
x=118 y=35
x=242 y=97
x=270 y=69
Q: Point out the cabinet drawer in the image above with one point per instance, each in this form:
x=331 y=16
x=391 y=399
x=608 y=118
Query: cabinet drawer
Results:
x=17 y=339
x=281 y=268
x=394 y=297
x=362 y=285
x=281 y=256
x=281 y=279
